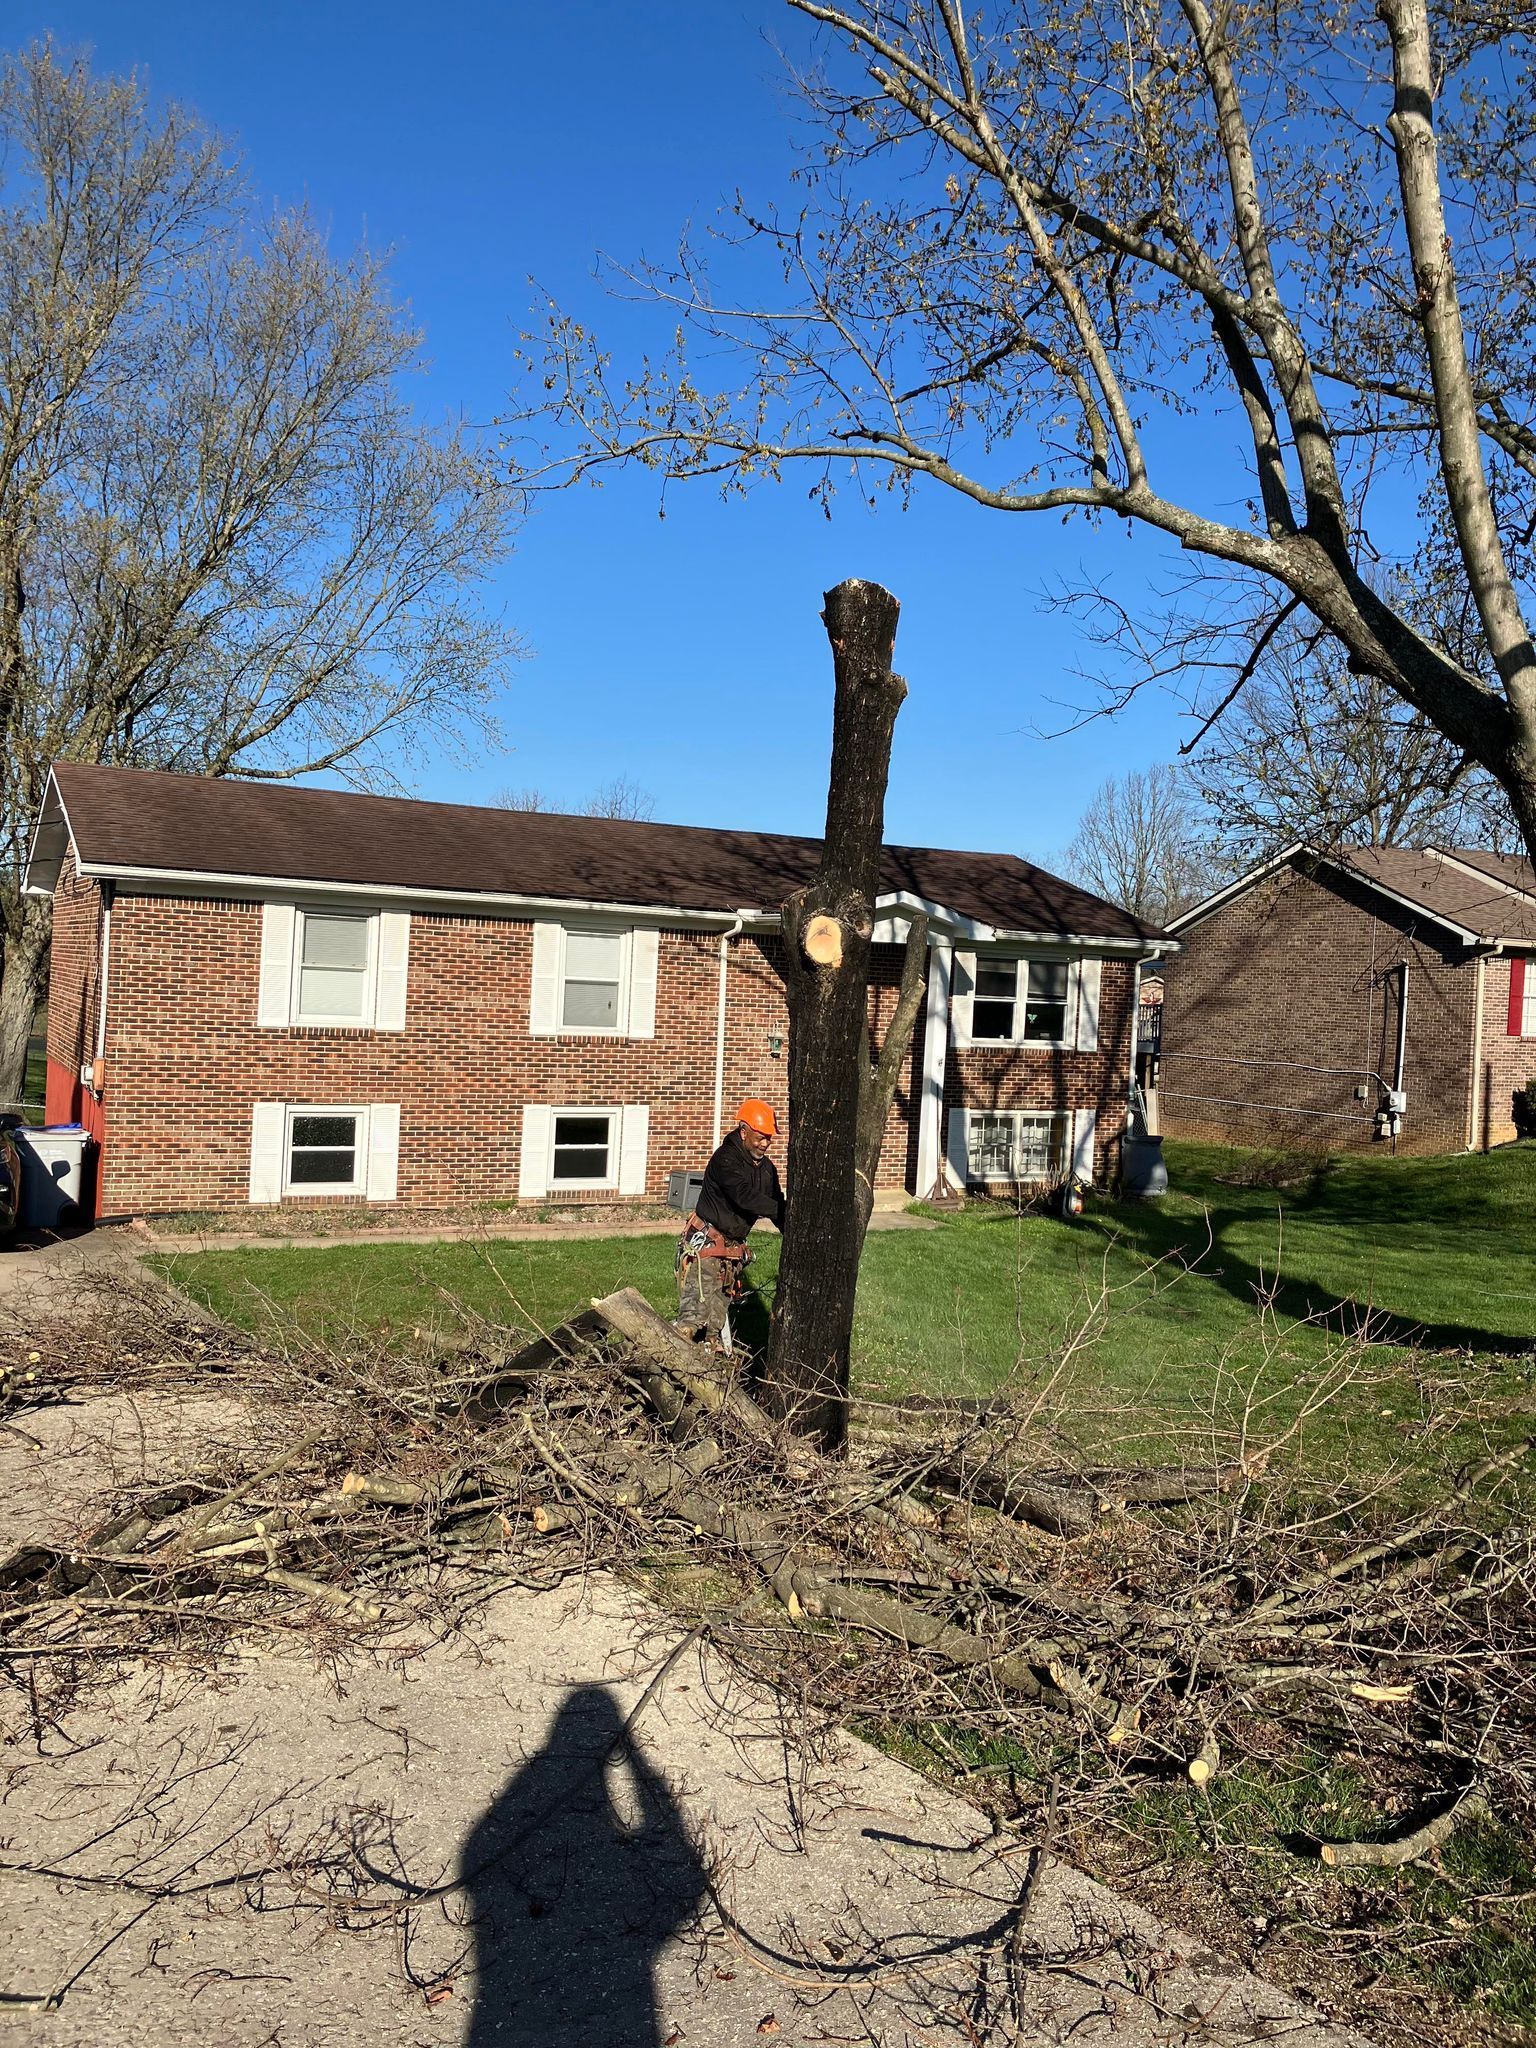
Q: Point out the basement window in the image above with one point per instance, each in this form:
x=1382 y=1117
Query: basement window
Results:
x=1015 y=1146
x=1020 y=1001
x=324 y=1152
x=584 y=1148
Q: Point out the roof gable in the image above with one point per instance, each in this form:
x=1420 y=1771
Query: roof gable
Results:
x=1460 y=892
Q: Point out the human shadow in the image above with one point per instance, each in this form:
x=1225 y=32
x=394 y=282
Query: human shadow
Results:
x=577 y=1874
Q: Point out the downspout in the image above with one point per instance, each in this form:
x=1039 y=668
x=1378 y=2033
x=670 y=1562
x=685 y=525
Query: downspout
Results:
x=1397 y=1101
x=1475 y=1091
x=98 y=1076
x=725 y=940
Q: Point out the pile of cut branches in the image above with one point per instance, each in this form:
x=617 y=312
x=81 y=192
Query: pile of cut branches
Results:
x=1161 y=1622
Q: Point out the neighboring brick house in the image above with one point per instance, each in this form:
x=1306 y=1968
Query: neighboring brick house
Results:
x=268 y=994
x=1363 y=995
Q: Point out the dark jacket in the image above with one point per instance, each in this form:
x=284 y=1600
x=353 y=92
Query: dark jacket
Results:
x=739 y=1188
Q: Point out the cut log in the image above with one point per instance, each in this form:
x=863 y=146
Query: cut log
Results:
x=632 y=1316
x=822 y=940
x=1017 y=1495
x=1205 y=1762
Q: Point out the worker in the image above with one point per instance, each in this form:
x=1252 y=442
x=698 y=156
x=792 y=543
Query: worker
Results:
x=741 y=1184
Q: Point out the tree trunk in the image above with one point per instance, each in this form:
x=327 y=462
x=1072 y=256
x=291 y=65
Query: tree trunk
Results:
x=21 y=990
x=828 y=929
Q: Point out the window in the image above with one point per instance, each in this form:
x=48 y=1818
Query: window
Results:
x=334 y=959
x=583 y=1148
x=325 y=1151
x=1007 y=987
x=592 y=980
x=1015 y=1146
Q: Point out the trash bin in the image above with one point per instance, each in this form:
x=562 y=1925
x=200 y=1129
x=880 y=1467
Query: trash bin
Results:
x=52 y=1174
x=1143 y=1170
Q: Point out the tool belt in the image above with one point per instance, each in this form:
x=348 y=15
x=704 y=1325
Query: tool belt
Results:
x=701 y=1240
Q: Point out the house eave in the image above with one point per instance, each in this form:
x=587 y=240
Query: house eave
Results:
x=1219 y=898
x=892 y=911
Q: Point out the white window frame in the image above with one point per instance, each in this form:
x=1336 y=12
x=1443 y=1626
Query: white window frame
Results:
x=615 y=1114
x=1528 y=1000
x=1063 y=1142
x=1021 y=963
x=310 y=1019
x=358 y=1185
x=620 y=1027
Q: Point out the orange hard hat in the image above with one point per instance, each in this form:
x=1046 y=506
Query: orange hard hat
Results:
x=759 y=1115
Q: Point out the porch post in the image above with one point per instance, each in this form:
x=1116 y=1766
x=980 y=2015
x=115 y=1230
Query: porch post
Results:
x=930 y=1114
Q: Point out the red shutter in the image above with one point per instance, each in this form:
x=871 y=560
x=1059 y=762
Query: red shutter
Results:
x=1516 y=997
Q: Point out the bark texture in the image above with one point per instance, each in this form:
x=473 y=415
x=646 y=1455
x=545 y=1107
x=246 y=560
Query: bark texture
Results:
x=806 y=1377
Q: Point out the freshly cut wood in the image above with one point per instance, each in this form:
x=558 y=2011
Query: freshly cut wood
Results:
x=822 y=940
x=393 y=1493
x=1205 y=1762
x=1420 y=1841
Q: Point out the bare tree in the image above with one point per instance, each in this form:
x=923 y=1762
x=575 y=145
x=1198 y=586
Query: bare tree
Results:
x=1313 y=752
x=620 y=798
x=1042 y=249
x=225 y=545
x=1143 y=842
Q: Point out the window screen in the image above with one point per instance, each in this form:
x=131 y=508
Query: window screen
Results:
x=593 y=966
x=583 y=1147
x=322 y=1150
x=333 y=967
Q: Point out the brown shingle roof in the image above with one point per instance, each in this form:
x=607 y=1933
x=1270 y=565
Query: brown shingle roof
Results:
x=133 y=818
x=1446 y=891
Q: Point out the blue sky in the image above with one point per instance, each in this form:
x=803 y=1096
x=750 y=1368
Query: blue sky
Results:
x=489 y=144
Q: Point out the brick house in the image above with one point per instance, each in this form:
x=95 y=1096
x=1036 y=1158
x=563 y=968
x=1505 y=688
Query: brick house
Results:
x=267 y=994
x=1345 y=998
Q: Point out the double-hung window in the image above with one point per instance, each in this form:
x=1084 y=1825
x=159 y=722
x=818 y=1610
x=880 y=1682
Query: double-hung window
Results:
x=1020 y=1001
x=325 y=1151
x=583 y=1148
x=333 y=968
x=592 y=981
x=1016 y=1146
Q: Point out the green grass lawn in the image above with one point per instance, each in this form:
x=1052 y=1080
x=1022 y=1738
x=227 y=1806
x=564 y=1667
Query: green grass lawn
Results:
x=1145 y=1327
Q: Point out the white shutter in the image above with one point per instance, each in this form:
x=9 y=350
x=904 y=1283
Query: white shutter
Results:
x=269 y=1125
x=383 y=1151
x=965 y=989
x=544 y=1015
x=1088 y=975
x=1082 y=1144
x=533 y=1175
x=957 y=1155
x=394 y=942
x=644 y=950
x=274 y=1003
x=634 y=1143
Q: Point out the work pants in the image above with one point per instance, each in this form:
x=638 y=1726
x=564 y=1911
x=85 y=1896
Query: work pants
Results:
x=704 y=1289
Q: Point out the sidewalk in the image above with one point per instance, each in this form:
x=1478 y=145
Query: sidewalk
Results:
x=148 y=1239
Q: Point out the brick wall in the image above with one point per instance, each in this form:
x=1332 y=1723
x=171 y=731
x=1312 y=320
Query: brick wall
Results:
x=186 y=1059
x=1506 y=1062
x=1304 y=968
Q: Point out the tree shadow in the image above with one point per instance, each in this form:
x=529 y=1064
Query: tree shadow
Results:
x=1207 y=1245
x=577 y=1875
